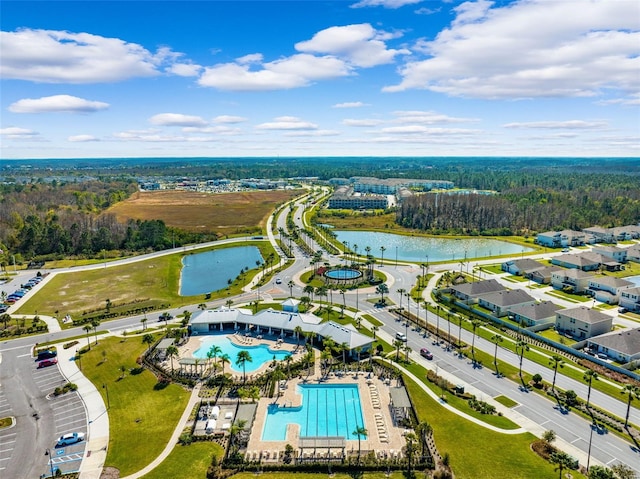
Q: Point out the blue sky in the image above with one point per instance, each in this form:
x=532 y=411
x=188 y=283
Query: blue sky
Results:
x=320 y=78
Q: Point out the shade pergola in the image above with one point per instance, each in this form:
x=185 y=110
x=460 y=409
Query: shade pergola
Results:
x=322 y=442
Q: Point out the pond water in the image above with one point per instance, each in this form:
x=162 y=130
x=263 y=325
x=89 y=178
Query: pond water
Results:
x=634 y=279
x=417 y=248
x=206 y=272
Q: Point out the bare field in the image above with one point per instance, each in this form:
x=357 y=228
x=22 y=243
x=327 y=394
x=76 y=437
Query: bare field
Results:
x=203 y=212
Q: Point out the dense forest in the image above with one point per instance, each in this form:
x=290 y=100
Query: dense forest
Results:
x=54 y=208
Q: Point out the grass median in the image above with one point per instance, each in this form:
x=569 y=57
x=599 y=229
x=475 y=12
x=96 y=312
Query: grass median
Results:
x=142 y=413
x=187 y=462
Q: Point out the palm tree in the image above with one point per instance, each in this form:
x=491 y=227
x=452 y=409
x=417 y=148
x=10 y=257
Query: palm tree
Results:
x=308 y=289
x=241 y=360
x=360 y=431
x=202 y=306
x=94 y=324
x=398 y=344
x=562 y=459
x=214 y=350
x=382 y=289
x=186 y=317
x=555 y=361
x=407 y=350
x=224 y=359
x=474 y=325
x=144 y=322
x=589 y=376
x=325 y=356
x=496 y=339
x=632 y=392
x=87 y=328
x=401 y=291
x=291 y=284
x=343 y=348
x=382 y=250
x=344 y=304
x=423 y=429
x=277 y=375
x=147 y=339
x=172 y=352
x=234 y=430
x=229 y=303
x=298 y=331
x=374 y=329
x=521 y=347
x=410 y=450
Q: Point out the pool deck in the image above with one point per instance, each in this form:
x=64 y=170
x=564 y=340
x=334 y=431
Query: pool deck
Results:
x=384 y=438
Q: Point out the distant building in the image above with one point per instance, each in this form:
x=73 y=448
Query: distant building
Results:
x=621 y=346
x=469 y=292
x=600 y=234
x=520 y=266
x=583 y=322
x=612 y=252
x=345 y=198
x=538 y=316
x=577 y=261
x=501 y=302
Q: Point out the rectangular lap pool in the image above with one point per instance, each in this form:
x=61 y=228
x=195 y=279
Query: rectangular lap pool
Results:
x=326 y=410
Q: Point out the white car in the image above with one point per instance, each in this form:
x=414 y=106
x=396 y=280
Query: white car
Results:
x=71 y=438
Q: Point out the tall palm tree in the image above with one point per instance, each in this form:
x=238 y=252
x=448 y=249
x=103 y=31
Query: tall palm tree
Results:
x=214 y=350
x=241 y=360
x=474 y=325
x=144 y=322
x=410 y=451
x=360 y=431
x=496 y=339
x=148 y=340
x=308 y=289
x=632 y=392
x=298 y=331
x=94 y=324
x=382 y=250
x=382 y=289
x=224 y=359
x=398 y=344
x=589 y=376
x=290 y=284
x=423 y=430
x=555 y=362
x=87 y=328
x=521 y=347
x=401 y=291
x=343 y=348
x=562 y=459
x=186 y=317
x=374 y=329
x=407 y=350
x=172 y=352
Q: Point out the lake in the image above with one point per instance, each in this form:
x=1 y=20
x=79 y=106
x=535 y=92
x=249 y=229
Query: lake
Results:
x=417 y=248
x=206 y=272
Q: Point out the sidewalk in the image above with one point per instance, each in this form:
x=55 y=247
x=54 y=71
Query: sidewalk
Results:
x=97 y=418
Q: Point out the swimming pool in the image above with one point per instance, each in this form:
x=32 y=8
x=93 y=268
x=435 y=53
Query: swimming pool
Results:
x=326 y=410
x=343 y=273
x=260 y=353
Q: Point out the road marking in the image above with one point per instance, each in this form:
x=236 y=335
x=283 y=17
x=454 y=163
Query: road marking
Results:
x=23 y=355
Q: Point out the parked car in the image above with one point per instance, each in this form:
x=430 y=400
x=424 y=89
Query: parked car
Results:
x=47 y=362
x=425 y=353
x=47 y=354
x=70 y=438
x=3 y=308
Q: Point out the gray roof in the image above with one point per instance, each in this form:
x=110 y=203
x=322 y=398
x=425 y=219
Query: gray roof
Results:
x=611 y=281
x=599 y=258
x=165 y=343
x=399 y=397
x=525 y=264
x=537 y=311
x=625 y=342
x=577 y=259
x=479 y=287
x=545 y=270
x=507 y=298
x=574 y=274
x=586 y=315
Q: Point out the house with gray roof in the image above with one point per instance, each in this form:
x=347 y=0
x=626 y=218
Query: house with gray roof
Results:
x=626 y=233
x=583 y=322
x=599 y=234
x=542 y=275
x=469 y=292
x=551 y=239
x=630 y=299
x=607 y=289
x=606 y=263
x=575 y=280
x=621 y=346
x=520 y=266
x=537 y=316
x=501 y=302
x=633 y=253
x=575 y=261
x=613 y=252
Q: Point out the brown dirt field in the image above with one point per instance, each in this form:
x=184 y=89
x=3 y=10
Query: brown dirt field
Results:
x=203 y=212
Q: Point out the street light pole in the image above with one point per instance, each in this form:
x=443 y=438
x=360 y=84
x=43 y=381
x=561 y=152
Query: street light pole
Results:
x=48 y=453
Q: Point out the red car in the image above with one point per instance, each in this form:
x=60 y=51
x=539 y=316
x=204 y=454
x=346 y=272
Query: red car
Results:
x=425 y=353
x=47 y=362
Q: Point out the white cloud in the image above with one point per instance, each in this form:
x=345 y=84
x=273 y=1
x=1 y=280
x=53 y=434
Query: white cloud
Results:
x=312 y=133
x=350 y=104
x=51 y=56
x=185 y=69
x=569 y=124
x=427 y=117
x=218 y=130
x=17 y=133
x=82 y=138
x=229 y=119
x=361 y=45
x=426 y=11
x=287 y=123
x=151 y=136
x=423 y=130
x=531 y=48
x=362 y=123
x=176 y=119
x=57 y=104
x=292 y=72
x=384 y=3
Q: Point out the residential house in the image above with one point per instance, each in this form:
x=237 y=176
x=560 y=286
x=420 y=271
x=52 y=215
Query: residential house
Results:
x=536 y=316
x=630 y=299
x=626 y=233
x=572 y=238
x=575 y=280
x=542 y=275
x=577 y=261
x=551 y=239
x=520 y=266
x=599 y=234
x=583 y=322
x=621 y=346
x=469 y=292
x=501 y=302
x=607 y=289
x=606 y=263
x=613 y=252
x=633 y=253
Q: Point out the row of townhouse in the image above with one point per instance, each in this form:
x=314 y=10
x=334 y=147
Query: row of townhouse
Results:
x=622 y=346
x=592 y=235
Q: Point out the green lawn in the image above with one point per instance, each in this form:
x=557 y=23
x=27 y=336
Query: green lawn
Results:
x=505 y=401
x=142 y=417
x=187 y=462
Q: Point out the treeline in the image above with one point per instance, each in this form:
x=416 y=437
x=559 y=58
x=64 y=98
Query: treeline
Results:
x=522 y=210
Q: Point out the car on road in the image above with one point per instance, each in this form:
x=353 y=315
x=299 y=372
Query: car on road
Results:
x=47 y=362
x=425 y=353
x=401 y=337
x=278 y=281
x=70 y=438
